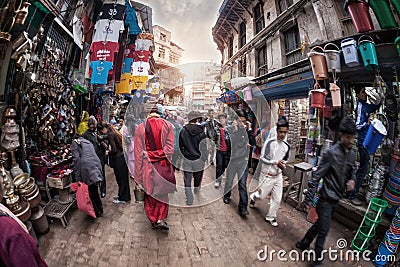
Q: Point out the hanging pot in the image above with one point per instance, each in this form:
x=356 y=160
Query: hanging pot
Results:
x=318 y=63
x=318 y=97
x=336 y=97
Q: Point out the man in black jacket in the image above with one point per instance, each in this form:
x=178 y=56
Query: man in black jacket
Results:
x=337 y=169
x=241 y=136
x=192 y=143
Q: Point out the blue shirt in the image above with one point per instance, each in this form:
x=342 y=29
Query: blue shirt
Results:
x=131 y=19
x=126 y=65
x=363 y=113
x=100 y=71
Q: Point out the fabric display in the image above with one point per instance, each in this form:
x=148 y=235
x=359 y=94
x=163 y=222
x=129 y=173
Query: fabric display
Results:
x=131 y=20
x=100 y=71
x=103 y=51
x=108 y=30
x=141 y=55
x=112 y=11
x=140 y=68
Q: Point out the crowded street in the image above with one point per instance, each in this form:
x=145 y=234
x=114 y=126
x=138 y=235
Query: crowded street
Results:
x=210 y=235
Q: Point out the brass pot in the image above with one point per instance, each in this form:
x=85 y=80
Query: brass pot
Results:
x=20 y=180
x=10 y=112
x=19 y=206
x=5 y=37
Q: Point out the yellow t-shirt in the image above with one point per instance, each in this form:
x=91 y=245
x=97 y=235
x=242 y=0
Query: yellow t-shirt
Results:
x=124 y=86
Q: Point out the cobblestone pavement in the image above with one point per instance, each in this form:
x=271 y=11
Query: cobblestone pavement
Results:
x=207 y=235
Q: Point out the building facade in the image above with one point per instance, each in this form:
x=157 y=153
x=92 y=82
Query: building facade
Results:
x=167 y=55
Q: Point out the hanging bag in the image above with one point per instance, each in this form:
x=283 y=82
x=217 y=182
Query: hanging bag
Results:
x=83 y=198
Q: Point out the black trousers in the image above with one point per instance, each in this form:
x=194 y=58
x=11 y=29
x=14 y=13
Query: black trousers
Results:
x=222 y=159
x=320 y=228
x=95 y=198
x=122 y=176
x=103 y=185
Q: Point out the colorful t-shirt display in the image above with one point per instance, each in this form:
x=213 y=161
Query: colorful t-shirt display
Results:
x=143 y=44
x=111 y=11
x=101 y=51
x=108 y=30
x=140 y=68
x=100 y=71
x=126 y=65
x=141 y=55
x=139 y=82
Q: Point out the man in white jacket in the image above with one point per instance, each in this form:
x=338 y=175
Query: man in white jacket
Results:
x=274 y=155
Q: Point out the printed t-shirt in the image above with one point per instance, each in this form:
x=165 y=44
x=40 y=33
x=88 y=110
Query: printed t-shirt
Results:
x=131 y=19
x=111 y=11
x=129 y=50
x=140 y=68
x=100 y=71
x=142 y=55
x=124 y=86
x=107 y=30
x=143 y=44
x=138 y=97
x=101 y=51
x=139 y=82
x=126 y=65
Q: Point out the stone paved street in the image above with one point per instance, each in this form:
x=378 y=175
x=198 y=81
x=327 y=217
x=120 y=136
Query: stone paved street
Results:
x=207 y=235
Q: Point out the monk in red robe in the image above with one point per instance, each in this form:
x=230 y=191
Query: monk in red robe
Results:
x=153 y=150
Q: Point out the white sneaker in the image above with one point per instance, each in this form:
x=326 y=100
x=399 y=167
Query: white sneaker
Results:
x=217 y=184
x=272 y=221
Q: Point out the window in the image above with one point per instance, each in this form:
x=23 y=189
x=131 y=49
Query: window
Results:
x=163 y=37
x=292 y=45
x=230 y=47
x=242 y=32
x=348 y=27
x=259 y=17
x=261 y=61
x=161 y=52
x=283 y=5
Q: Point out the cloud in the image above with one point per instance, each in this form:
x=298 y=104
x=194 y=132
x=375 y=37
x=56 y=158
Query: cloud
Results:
x=190 y=23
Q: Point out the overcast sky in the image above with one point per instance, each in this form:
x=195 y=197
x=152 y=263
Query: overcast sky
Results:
x=190 y=22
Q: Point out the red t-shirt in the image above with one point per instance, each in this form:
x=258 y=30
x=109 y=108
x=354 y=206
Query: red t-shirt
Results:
x=129 y=50
x=222 y=144
x=141 y=55
x=103 y=52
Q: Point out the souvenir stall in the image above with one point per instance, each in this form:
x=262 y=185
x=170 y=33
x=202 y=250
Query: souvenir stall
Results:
x=368 y=63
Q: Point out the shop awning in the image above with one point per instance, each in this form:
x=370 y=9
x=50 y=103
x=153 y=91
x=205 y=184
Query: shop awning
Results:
x=291 y=87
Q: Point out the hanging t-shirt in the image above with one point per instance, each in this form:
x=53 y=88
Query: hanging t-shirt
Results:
x=129 y=50
x=77 y=31
x=141 y=55
x=88 y=27
x=100 y=71
x=137 y=97
x=108 y=30
x=140 y=68
x=131 y=19
x=139 y=82
x=126 y=65
x=111 y=11
x=143 y=44
x=124 y=85
x=101 y=51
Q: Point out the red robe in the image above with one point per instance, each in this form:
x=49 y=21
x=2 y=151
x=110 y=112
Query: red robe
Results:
x=156 y=209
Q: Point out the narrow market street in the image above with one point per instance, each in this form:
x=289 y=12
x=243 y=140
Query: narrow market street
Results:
x=209 y=235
